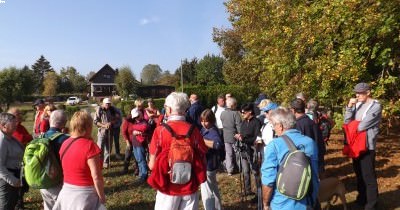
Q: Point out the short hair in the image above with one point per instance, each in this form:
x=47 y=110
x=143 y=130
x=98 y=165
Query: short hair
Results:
x=301 y=96
x=6 y=118
x=178 y=102
x=298 y=105
x=208 y=116
x=14 y=110
x=248 y=107
x=81 y=123
x=58 y=118
x=312 y=105
x=221 y=96
x=283 y=116
x=230 y=102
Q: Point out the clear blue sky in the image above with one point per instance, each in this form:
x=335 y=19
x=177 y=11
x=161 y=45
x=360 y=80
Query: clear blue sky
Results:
x=87 y=34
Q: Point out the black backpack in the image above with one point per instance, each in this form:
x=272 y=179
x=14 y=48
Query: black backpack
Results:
x=294 y=175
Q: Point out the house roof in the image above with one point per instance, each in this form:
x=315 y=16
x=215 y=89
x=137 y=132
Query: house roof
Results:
x=105 y=69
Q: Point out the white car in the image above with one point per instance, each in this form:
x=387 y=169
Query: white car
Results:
x=73 y=100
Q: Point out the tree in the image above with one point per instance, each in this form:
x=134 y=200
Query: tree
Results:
x=12 y=85
x=50 y=83
x=26 y=77
x=126 y=82
x=189 y=71
x=321 y=48
x=72 y=81
x=209 y=70
x=167 y=78
x=90 y=75
x=40 y=69
x=150 y=74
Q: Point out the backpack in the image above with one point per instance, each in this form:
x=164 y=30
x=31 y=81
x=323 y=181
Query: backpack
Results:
x=180 y=156
x=41 y=166
x=294 y=175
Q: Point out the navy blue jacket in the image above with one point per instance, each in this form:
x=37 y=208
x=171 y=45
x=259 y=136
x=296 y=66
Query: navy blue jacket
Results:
x=213 y=154
x=193 y=114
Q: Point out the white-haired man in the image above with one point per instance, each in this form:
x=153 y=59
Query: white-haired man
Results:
x=57 y=121
x=283 y=121
x=103 y=120
x=231 y=120
x=172 y=195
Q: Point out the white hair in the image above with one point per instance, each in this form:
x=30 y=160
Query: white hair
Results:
x=58 y=118
x=283 y=116
x=231 y=102
x=178 y=102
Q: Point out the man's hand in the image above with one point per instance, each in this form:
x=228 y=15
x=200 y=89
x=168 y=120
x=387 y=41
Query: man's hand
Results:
x=352 y=102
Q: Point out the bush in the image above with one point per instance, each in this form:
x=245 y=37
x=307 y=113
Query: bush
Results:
x=208 y=94
x=70 y=110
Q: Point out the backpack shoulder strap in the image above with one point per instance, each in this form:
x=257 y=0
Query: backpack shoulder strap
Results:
x=169 y=129
x=69 y=145
x=292 y=147
x=190 y=131
x=55 y=136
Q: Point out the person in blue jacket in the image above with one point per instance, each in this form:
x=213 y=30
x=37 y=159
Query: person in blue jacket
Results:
x=283 y=121
x=209 y=190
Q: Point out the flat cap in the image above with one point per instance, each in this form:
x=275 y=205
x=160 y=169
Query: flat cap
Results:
x=361 y=87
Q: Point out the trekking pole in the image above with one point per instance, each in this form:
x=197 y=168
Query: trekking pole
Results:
x=109 y=148
x=240 y=176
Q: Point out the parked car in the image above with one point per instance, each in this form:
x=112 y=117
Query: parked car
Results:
x=73 y=100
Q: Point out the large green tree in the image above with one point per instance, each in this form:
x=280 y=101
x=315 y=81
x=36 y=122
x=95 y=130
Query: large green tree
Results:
x=126 y=82
x=167 y=78
x=188 y=69
x=319 y=47
x=72 y=81
x=209 y=70
x=40 y=69
x=150 y=74
x=12 y=83
x=50 y=84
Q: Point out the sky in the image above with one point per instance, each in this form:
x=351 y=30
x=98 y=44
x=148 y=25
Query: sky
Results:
x=87 y=34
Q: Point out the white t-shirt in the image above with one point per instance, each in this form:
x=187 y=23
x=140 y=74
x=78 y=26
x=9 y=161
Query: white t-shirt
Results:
x=218 y=115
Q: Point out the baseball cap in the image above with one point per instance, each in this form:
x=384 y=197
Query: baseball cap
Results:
x=38 y=101
x=134 y=113
x=270 y=106
x=106 y=101
x=361 y=87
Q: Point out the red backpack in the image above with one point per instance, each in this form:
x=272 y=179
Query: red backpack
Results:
x=181 y=156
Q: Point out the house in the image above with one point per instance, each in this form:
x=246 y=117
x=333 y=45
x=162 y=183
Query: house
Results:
x=102 y=82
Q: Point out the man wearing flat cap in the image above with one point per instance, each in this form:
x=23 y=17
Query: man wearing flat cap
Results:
x=368 y=112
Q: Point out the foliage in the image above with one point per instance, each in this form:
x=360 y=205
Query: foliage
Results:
x=150 y=74
x=167 y=78
x=208 y=94
x=89 y=75
x=188 y=69
x=126 y=82
x=50 y=83
x=72 y=81
x=322 y=48
x=209 y=70
x=13 y=83
x=70 y=110
x=40 y=69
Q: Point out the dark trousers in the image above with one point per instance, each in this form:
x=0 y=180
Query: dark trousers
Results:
x=367 y=186
x=8 y=196
x=116 y=140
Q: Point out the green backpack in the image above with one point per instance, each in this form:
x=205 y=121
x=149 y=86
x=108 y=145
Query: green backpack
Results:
x=41 y=167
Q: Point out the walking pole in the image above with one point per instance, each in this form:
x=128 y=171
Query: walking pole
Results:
x=109 y=148
x=240 y=177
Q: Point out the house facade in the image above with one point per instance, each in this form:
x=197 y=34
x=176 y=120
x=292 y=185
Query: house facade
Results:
x=102 y=83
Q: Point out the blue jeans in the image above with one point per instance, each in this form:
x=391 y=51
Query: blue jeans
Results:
x=139 y=154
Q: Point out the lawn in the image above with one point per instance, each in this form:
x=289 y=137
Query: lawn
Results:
x=124 y=192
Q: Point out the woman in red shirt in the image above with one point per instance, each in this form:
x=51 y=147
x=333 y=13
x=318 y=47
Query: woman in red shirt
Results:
x=80 y=158
x=44 y=121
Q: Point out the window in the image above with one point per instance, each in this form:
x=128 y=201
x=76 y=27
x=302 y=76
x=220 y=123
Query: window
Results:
x=107 y=76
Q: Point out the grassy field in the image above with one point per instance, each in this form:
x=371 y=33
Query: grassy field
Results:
x=124 y=192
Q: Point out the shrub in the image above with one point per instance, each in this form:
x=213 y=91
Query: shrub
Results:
x=70 y=110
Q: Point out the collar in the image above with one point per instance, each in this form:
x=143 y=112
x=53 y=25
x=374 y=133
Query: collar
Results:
x=291 y=131
x=176 y=118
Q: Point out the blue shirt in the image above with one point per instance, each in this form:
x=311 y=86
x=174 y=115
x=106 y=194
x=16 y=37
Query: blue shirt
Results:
x=56 y=143
x=213 y=154
x=274 y=154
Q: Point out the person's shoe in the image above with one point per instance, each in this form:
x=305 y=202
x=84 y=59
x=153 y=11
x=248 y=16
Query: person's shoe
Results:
x=119 y=156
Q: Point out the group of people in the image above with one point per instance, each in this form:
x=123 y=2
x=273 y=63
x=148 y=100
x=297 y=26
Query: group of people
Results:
x=179 y=150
